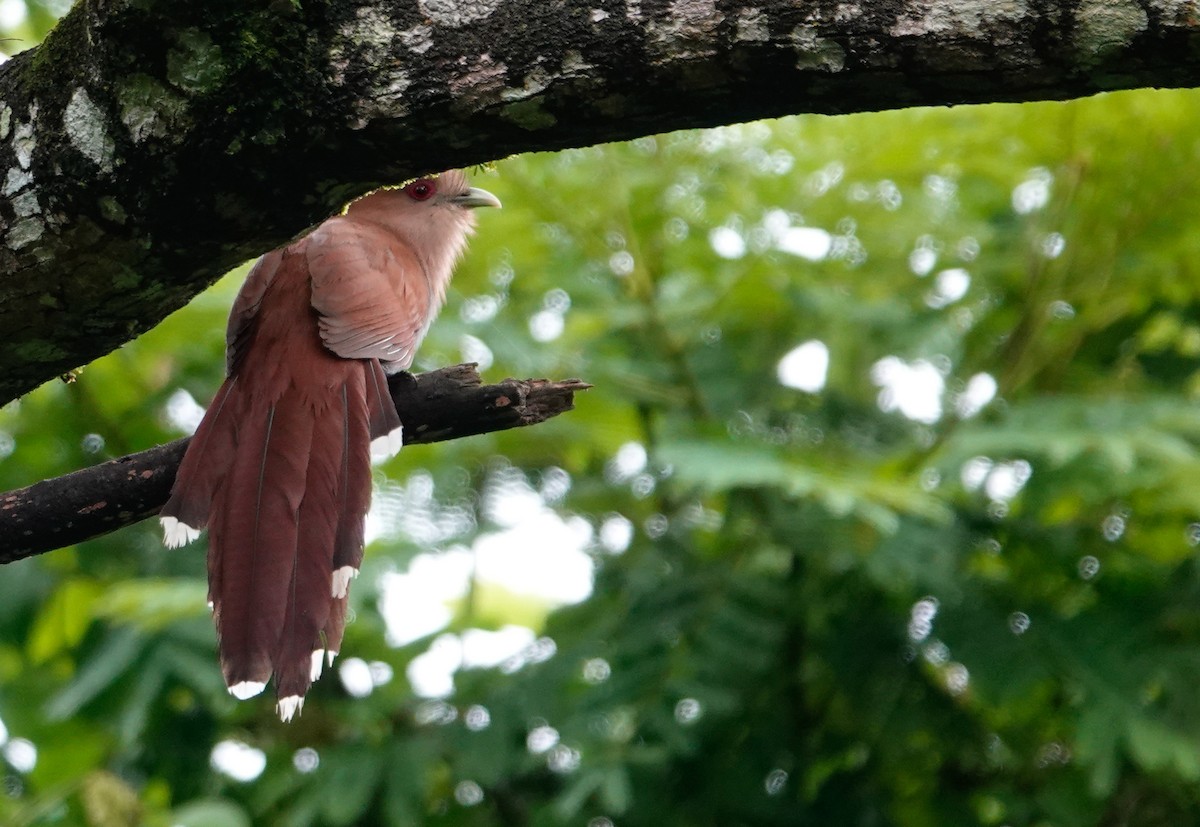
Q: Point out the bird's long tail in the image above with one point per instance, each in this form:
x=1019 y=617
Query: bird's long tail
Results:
x=283 y=484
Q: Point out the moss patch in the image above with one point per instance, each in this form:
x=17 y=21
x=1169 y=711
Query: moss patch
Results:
x=196 y=65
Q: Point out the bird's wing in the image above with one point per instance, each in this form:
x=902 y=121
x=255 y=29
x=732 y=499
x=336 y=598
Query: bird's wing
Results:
x=245 y=308
x=370 y=291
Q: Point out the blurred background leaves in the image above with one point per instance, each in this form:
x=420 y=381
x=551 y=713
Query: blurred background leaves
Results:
x=882 y=510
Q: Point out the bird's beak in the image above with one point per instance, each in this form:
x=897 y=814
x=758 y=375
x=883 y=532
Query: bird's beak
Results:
x=476 y=197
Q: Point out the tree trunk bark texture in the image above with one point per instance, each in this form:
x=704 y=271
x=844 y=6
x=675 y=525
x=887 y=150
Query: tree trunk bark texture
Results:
x=148 y=146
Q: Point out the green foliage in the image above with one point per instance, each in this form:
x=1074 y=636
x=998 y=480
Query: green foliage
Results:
x=808 y=606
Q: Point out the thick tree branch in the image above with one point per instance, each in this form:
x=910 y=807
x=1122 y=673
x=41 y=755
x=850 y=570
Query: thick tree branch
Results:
x=148 y=147
x=440 y=405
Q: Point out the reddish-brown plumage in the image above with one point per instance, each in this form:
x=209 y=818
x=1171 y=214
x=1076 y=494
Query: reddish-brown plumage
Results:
x=279 y=469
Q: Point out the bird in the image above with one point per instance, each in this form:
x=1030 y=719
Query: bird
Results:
x=279 y=468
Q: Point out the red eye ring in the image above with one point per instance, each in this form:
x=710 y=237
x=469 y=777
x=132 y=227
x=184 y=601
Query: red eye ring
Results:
x=421 y=190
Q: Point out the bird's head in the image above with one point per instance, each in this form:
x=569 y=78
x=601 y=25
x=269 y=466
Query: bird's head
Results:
x=434 y=214
x=439 y=204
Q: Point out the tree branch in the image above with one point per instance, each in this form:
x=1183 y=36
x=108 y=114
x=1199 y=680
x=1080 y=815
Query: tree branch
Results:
x=436 y=406
x=146 y=148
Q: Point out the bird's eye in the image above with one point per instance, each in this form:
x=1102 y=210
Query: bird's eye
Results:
x=421 y=190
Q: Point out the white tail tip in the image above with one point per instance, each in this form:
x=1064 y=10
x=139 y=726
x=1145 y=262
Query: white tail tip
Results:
x=246 y=689
x=387 y=446
x=289 y=707
x=318 y=663
x=341 y=580
x=175 y=533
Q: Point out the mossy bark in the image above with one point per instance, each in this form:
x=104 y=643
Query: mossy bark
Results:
x=150 y=145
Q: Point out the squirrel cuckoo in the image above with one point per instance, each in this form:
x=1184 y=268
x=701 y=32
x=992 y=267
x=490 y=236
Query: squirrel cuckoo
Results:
x=279 y=469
